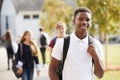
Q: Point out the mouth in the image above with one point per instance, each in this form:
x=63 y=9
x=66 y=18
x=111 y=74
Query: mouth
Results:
x=84 y=27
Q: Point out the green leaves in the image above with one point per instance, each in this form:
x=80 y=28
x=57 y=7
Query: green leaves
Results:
x=106 y=14
x=54 y=11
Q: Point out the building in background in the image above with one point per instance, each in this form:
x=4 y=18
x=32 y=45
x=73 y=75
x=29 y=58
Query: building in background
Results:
x=19 y=15
x=0 y=17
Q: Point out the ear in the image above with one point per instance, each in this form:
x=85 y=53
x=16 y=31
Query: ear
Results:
x=74 y=20
x=90 y=24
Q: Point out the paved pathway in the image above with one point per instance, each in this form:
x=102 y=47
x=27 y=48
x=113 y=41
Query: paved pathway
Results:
x=8 y=75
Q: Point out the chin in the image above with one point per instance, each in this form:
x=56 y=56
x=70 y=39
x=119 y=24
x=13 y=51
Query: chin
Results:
x=84 y=33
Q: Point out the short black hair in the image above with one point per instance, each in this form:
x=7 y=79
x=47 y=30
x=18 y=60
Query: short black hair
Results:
x=82 y=9
x=40 y=29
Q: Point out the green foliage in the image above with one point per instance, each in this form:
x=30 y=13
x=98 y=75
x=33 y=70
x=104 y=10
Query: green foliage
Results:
x=54 y=11
x=106 y=14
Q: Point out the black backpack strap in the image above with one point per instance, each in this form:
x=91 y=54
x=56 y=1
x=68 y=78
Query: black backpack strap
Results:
x=90 y=41
x=21 y=49
x=65 y=47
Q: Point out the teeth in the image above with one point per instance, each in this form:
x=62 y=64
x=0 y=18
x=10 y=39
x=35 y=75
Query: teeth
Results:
x=84 y=27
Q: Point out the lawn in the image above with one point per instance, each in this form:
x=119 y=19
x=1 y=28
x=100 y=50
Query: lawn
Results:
x=113 y=59
x=113 y=54
x=110 y=75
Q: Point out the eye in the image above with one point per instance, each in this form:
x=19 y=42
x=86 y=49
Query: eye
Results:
x=80 y=19
x=87 y=19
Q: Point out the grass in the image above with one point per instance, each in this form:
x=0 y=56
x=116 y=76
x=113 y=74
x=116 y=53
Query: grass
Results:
x=113 y=59
x=47 y=57
x=114 y=54
x=110 y=75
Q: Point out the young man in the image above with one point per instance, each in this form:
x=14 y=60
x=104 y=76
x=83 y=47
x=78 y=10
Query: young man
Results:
x=60 y=29
x=78 y=63
x=44 y=40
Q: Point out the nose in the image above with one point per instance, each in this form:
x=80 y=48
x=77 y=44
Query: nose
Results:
x=84 y=22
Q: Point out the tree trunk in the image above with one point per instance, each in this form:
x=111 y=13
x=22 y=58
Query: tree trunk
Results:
x=101 y=37
x=106 y=50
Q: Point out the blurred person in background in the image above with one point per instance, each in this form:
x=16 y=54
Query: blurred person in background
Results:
x=7 y=38
x=44 y=40
x=25 y=62
x=61 y=30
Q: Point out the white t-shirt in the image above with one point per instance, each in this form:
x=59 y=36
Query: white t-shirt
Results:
x=78 y=63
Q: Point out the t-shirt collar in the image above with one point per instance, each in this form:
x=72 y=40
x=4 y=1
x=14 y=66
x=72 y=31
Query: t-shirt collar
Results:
x=75 y=38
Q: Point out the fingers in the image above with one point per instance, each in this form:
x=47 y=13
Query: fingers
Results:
x=19 y=71
x=38 y=73
x=91 y=50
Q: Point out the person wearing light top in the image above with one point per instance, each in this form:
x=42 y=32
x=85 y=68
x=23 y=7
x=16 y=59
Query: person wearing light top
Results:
x=61 y=33
x=78 y=62
x=26 y=55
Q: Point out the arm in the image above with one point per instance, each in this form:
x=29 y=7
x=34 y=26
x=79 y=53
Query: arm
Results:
x=98 y=68
x=37 y=65
x=56 y=56
x=19 y=60
x=18 y=55
x=51 y=45
x=52 y=69
x=98 y=64
x=50 y=50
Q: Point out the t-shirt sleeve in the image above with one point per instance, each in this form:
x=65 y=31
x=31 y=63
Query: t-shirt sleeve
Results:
x=99 y=50
x=57 y=51
x=51 y=44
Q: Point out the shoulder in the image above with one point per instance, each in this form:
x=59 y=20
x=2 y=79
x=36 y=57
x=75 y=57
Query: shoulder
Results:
x=99 y=49
x=45 y=34
x=52 y=42
x=58 y=49
x=97 y=43
x=60 y=41
x=54 y=39
x=94 y=40
x=21 y=44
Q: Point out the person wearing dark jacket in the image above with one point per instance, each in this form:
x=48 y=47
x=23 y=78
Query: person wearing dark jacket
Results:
x=7 y=38
x=44 y=40
x=26 y=55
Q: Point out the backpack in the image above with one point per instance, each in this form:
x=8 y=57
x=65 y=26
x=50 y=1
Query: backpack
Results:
x=43 y=40
x=65 y=49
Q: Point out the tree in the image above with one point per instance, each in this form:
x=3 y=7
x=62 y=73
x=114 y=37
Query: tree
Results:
x=106 y=15
x=54 y=11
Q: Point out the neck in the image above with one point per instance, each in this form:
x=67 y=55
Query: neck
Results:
x=27 y=42
x=60 y=35
x=80 y=35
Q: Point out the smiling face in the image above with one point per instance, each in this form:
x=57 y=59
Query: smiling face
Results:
x=82 y=21
x=61 y=28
